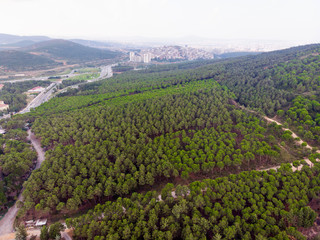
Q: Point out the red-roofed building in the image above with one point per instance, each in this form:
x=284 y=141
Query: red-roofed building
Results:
x=36 y=90
x=3 y=106
x=1 y=86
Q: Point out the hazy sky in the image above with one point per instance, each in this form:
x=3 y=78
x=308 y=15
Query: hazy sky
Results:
x=219 y=19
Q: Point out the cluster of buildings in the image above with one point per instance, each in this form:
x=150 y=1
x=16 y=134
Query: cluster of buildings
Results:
x=170 y=53
x=38 y=223
x=142 y=57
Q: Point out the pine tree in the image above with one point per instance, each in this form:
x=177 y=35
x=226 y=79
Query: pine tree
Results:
x=21 y=233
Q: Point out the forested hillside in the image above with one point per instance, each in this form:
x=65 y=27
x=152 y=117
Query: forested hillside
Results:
x=70 y=51
x=145 y=141
x=261 y=82
x=250 y=205
x=111 y=141
x=13 y=60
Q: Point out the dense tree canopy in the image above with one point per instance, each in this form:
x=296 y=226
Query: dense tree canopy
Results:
x=250 y=205
x=16 y=162
x=109 y=141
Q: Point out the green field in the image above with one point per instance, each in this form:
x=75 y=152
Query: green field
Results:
x=84 y=77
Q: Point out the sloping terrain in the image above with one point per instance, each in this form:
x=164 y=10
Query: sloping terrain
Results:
x=22 y=61
x=48 y=54
x=16 y=45
x=10 y=39
x=117 y=144
x=69 y=51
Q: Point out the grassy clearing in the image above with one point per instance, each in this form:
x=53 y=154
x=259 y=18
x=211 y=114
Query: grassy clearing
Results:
x=84 y=77
x=87 y=70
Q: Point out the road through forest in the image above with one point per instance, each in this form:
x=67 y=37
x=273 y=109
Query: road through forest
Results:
x=6 y=223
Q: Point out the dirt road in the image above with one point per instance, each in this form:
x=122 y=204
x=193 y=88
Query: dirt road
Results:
x=6 y=223
x=299 y=142
x=286 y=129
x=272 y=120
x=37 y=146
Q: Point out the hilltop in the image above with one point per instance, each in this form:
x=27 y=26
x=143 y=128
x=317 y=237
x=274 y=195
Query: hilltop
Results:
x=59 y=49
x=16 y=45
x=10 y=39
x=28 y=55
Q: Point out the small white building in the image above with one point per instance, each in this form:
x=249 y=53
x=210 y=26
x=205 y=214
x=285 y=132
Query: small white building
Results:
x=41 y=222
x=29 y=223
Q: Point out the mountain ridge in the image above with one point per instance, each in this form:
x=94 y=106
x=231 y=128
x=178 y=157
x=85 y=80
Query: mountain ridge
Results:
x=67 y=50
x=9 y=38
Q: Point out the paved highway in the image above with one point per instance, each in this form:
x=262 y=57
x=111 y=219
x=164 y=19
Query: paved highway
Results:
x=41 y=98
x=106 y=72
x=45 y=95
x=44 y=78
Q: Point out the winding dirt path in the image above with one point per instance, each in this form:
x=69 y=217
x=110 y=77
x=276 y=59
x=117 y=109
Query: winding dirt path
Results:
x=287 y=129
x=6 y=223
x=37 y=146
x=272 y=120
x=298 y=142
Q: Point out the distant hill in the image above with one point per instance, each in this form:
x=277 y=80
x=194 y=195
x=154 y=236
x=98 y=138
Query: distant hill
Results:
x=235 y=54
x=69 y=51
x=21 y=61
x=98 y=44
x=9 y=39
x=16 y=45
x=94 y=44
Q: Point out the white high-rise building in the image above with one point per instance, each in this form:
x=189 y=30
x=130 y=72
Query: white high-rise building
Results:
x=132 y=57
x=147 y=57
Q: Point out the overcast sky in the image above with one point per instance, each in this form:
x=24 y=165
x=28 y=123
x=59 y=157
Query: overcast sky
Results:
x=219 y=19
